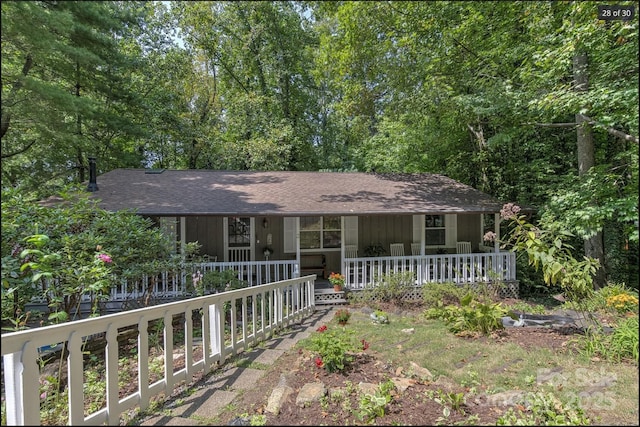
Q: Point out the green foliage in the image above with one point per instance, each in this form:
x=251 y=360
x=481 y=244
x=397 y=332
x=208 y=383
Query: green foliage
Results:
x=373 y=406
x=219 y=281
x=335 y=348
x=471 y=316
x=434 y=294
x=392 y=287
x=546 y=409
x=342 y=316
x=451 y=401
x=380 y=316
x=71 y=249
x=599 y=300
x=621 y=344
x=547 y=250
x=65 y=90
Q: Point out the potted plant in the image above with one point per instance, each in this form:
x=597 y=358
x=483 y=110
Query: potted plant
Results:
x=337 y=280
x=342 y=316
x=374 y=250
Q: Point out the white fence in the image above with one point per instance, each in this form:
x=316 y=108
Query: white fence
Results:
x=171 y=285
x=452 y=268
x=226 y=324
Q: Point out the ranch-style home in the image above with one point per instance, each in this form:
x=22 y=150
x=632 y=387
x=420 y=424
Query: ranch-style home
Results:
x=282 y=233
x=281 y=224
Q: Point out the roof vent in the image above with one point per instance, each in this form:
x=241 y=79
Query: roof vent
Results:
x=154 y=171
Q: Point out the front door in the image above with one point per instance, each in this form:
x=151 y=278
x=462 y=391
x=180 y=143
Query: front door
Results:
x=239 y=242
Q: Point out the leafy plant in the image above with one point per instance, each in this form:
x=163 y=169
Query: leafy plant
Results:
x=619 y=345
x=548 y=250
x=471 y=316
x=374 y=250
x=379 y=316
x=445 y=293
x=391 y=287
x=374 y=405
x=342 y=316
x=546 y=409
x=335 y=348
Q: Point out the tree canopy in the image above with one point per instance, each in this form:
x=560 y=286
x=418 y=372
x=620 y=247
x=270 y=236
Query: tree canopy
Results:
x=508 y=97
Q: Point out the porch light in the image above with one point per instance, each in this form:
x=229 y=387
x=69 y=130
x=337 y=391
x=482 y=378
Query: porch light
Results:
x=265 y=223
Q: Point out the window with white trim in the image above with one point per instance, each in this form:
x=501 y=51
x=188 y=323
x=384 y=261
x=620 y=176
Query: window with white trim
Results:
x=435 y=231
x=320 y=232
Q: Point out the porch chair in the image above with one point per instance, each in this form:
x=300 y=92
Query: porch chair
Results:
x=415 y=249
x=396 y=249
x=350 y=251
x=463 y=247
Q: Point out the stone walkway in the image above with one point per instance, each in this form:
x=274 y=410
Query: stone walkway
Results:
x=211 y=395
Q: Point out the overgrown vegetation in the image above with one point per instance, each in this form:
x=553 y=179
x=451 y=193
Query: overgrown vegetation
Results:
x=551 y=392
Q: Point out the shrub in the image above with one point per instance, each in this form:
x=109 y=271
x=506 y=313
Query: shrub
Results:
x=471 y=316
x=335 y=348
x=621 y=344
x=392 y=287
x=434 y=294
x=342 y=316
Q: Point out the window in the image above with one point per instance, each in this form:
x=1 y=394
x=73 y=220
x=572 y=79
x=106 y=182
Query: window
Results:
x=435 y=230
x=320 y=232
x=239 y=231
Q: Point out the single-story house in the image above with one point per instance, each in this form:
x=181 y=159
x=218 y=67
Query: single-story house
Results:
x=323 y=222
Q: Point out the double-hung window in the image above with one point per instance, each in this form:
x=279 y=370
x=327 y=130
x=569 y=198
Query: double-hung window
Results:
x=435 y=232
x=320 y=232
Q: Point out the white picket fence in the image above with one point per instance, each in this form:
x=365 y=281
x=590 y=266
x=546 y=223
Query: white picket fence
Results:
x=230 y=322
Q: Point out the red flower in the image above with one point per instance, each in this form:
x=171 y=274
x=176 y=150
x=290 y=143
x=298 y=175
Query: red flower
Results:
x=318 y=361
x=365 y=345
x=322 y=328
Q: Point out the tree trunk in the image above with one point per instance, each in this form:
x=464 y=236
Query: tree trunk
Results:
x=593 y=246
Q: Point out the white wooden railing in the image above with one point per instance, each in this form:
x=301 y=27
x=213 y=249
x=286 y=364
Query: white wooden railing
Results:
x=228 y=323
x=454 y=268
x=171 y=285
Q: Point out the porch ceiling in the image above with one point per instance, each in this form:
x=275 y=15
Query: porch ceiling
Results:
x=208 y=192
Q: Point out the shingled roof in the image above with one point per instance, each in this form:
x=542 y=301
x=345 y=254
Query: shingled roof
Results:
x=212 y=192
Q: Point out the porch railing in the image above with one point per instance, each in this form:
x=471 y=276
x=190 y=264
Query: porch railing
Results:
x=174 y=285
x=455 y=268
x=220 y=325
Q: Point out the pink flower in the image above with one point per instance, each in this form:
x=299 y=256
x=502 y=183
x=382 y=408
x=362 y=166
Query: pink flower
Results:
x=104 y=258
x=322 y=328
x=509 y=211
x=489 y=236
x=319 y=362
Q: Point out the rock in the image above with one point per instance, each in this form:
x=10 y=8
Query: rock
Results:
x=310 y=392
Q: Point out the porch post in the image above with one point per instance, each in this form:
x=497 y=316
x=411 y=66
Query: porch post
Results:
x=496 y=242
x=183 y=235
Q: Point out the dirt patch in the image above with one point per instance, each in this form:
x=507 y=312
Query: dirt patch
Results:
x=423 y=402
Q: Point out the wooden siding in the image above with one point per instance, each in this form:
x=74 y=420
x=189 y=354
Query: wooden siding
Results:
x=469 y=230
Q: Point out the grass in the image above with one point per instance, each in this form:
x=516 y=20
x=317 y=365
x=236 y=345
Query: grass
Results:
x=605 y=387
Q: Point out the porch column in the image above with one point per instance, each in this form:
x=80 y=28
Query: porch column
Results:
x=496 y=242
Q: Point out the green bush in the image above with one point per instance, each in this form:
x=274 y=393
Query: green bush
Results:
x=448 y=293
x=392 y=287
x=335 y=348
x=616 y=346
x=471 y=316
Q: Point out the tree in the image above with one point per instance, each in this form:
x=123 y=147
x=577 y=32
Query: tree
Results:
x=63 y=87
